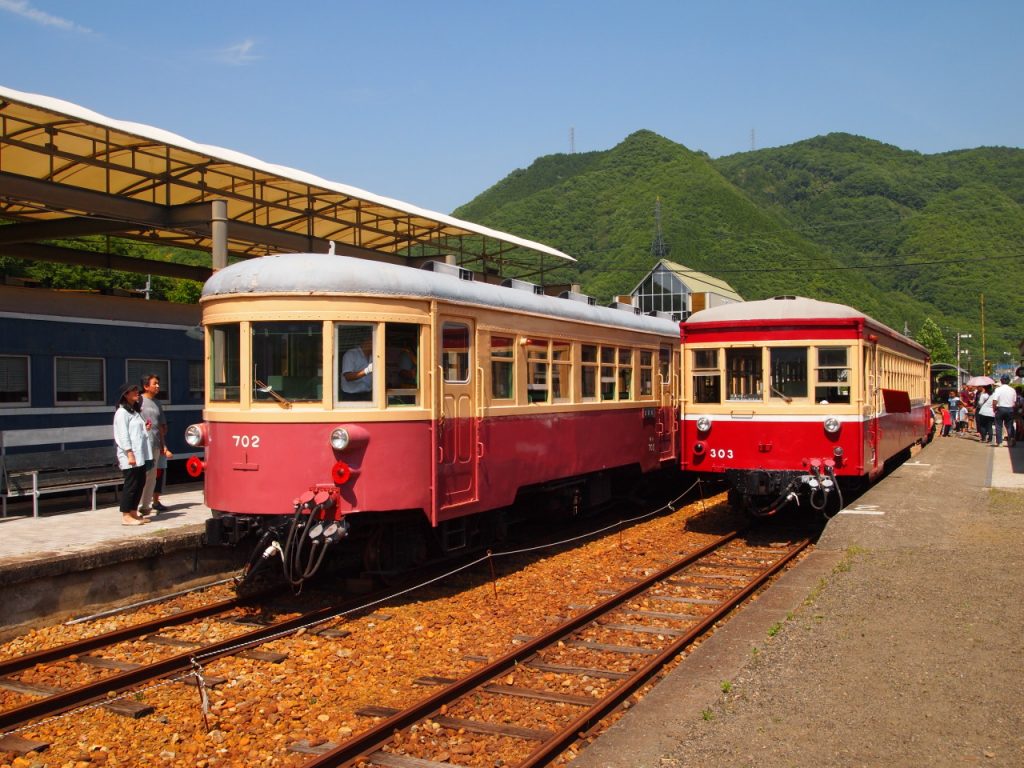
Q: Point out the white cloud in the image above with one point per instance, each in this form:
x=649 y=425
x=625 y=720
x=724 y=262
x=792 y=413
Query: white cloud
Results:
x=25 y=10
x=238 y=55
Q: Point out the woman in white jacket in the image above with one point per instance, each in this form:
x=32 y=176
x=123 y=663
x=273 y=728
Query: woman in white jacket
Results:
x=134 y=453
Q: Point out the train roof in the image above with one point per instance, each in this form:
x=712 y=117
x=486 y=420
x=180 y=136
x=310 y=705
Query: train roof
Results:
x=311 y=274
x=782 y=309
x=83 y=306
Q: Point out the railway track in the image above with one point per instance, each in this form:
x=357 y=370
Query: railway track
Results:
x=49 y=700
x=584 y=668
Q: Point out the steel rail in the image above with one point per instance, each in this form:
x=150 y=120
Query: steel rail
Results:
x=86 y=694
x=19 y=663
x=551 y=748
x=375 y=737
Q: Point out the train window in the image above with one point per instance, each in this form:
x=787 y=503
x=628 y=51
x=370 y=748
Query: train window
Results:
x=79 y=380
x=536 y=371
x=13 y=381
x=561 y=370
x=455 y=352
x=195 y=379
x=646 y=373
x=225 y=363
x=136 y=369
x=833 y=376
x=502 y=368
x=287 y=361
x=354 y=356
x=625 y=373
x=665 y=365
x=607 y=373
x=745 y=378
x=401 y=363
x=588 y=372
x=789 y=372
x=707 y=379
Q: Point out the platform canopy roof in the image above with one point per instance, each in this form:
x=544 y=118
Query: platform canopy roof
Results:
x=67 y=172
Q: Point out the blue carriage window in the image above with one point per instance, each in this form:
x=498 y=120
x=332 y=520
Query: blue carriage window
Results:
x=13 y=380
x=79 y=380
x=136 y=369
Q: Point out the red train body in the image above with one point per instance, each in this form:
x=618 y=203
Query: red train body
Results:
x=383 y=400
x=789 y=398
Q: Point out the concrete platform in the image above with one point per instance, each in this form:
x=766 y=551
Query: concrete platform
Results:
x=69 y=560
x=819 y=668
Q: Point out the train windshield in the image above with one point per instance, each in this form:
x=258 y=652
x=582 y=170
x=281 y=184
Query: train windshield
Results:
x=744 y=375
x=789 y=372
x=287 y=361
x=833 y=375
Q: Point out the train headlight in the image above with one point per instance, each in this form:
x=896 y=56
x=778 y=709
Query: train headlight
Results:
x=832 y=425
x=703 y=424
x=194 y=435
x=339 y=439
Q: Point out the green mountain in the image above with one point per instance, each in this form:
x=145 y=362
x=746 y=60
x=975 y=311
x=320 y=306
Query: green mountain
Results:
x=899 y=235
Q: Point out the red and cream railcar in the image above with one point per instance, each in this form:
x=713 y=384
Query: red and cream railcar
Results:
x=381 y=396
x=788 y=396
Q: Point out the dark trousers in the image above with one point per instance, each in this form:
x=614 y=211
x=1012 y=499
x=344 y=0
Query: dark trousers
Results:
x=1004 y=416
x=134 y=482
x=985 y=427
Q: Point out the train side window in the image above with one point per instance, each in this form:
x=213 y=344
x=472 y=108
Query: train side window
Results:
x=502 y=368
x=745 y=377
x=287 y=361
x=354 y=356
x=561 y=370
x=537 y=371
x=14 y=390
x=707 y=379
x=789 y=372
x=136 y=369
x=665 y=365
x=646 y=373
x=401 y=363
x=455 y=346
x=607 y=373
x=79 y=380
x=833 y=375
x=625 y=373
x=588 y=372
x=225 y=363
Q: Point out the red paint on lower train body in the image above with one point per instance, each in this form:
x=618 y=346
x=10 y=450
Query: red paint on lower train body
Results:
x=259 y=469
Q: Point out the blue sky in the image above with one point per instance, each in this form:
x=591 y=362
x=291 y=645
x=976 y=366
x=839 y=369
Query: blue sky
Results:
x=433 y=102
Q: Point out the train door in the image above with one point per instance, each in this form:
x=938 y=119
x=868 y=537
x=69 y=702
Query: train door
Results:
x=456 y=434
x=873 y=427
x=667 y=424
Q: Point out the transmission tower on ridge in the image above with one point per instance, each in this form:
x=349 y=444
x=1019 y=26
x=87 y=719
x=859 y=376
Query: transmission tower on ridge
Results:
x=659 y=248
x=572 y=140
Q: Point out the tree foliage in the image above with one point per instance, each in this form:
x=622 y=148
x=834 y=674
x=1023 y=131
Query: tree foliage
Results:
x=899 y=235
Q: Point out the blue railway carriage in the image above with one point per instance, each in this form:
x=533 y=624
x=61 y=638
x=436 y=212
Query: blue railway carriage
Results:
x=65 y=354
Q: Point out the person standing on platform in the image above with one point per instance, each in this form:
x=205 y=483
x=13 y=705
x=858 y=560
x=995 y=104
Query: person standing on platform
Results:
x=1004 y=400
x=947 y=421
x=134 y=452
x=156 y=423
x=985 y=415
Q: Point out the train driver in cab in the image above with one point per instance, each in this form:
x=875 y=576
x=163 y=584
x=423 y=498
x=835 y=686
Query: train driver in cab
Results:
x=357 y=371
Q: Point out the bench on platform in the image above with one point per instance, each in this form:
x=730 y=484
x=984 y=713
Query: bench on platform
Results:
x=60 y=467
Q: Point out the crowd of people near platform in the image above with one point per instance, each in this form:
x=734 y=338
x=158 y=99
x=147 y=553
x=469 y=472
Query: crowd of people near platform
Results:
x=988 y=410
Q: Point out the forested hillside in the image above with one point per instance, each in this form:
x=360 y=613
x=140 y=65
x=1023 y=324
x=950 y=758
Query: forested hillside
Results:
x=900 y=235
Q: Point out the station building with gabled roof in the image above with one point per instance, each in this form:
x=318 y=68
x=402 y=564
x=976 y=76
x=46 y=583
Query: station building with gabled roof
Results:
x=680 y=291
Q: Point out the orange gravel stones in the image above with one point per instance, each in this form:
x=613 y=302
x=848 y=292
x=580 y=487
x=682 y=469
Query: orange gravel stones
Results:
x=390 y=658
